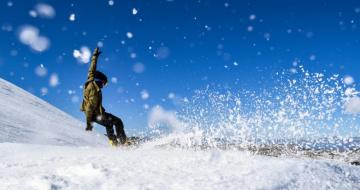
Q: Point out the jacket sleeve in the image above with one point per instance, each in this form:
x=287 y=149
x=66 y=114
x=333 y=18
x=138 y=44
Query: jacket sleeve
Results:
x=93 y=64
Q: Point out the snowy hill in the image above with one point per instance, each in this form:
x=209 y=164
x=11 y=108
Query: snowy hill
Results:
x=25 y=118
x=31 y=131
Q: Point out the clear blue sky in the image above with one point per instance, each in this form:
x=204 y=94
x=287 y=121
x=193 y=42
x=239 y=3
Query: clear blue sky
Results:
x=183 y=45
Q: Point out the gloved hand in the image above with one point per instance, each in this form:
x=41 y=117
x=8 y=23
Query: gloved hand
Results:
x=97 y=52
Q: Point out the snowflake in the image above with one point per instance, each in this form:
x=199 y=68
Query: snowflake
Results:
x=72 y=17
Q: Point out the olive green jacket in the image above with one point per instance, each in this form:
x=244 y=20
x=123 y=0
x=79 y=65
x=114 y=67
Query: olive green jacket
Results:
x=92 y=101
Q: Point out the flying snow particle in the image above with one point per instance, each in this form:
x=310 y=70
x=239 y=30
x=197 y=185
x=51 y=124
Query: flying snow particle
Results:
x=82 y=55
x=111 y=2
x=348 y=80
x=312 y=57
x=309 y=35
x=252 y=17
x=44 y=91
x=267 y=36
x=139 y=68
x=208 y=28
x=41 y=44
x=33 y=13
x=353 y=105
x=129 y=35
x=146 y=106
x=10 y=4
x=40 y=71
x=120 y=90
x=29 y=35
x=133 y=55
x=144 y=94
x=162 y=53
x=350 y=92
x=72 y=17
x=295 y=63
x=236 y=63
x=114 y=80
x=75 y=99
x=171 y=95
x=293 y=71
x=100 y=44
x=134 y=11
x=45 y=10
x=70 y=92
x=226 y=4
x=250 y=28
x=54 y=80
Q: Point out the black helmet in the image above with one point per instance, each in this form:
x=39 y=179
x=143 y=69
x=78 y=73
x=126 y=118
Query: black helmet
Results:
x=101 y=76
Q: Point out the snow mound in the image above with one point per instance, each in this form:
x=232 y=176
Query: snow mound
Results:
x=25 y=118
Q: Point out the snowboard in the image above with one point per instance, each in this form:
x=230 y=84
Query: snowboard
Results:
x=131 y=141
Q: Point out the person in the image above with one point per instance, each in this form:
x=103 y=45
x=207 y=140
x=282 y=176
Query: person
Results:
x=92 y=104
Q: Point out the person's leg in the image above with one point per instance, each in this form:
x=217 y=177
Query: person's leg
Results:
x=104 y=121
x=119 y=126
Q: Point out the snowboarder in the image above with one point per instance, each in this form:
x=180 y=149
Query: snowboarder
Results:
x=92 y=104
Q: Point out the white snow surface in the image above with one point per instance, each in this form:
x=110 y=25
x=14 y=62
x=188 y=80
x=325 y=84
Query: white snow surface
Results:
x=24 y=118
x=39 y=167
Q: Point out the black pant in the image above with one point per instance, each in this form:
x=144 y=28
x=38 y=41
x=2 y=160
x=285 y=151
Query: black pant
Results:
x=108 y=121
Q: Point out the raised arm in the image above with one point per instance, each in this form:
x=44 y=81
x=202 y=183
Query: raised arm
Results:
x=94 y=59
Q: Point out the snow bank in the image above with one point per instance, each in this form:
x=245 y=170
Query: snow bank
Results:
x=27 y=119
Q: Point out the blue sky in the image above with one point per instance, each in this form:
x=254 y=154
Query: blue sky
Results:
x=156 y=52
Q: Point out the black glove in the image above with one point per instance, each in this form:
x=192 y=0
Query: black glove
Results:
x=97 y=52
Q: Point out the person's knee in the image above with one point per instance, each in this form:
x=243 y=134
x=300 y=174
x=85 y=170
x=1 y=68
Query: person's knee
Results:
x=119 y=123
x=116 y=120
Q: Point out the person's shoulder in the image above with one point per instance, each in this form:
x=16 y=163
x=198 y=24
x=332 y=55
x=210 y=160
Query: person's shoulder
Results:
x=90 y=85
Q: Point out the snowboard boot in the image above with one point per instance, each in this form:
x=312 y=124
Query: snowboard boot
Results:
x=113 y=142
x=125 y=142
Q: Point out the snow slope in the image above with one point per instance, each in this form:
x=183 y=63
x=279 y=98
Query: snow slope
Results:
x=62 y=167
x=27 y=119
